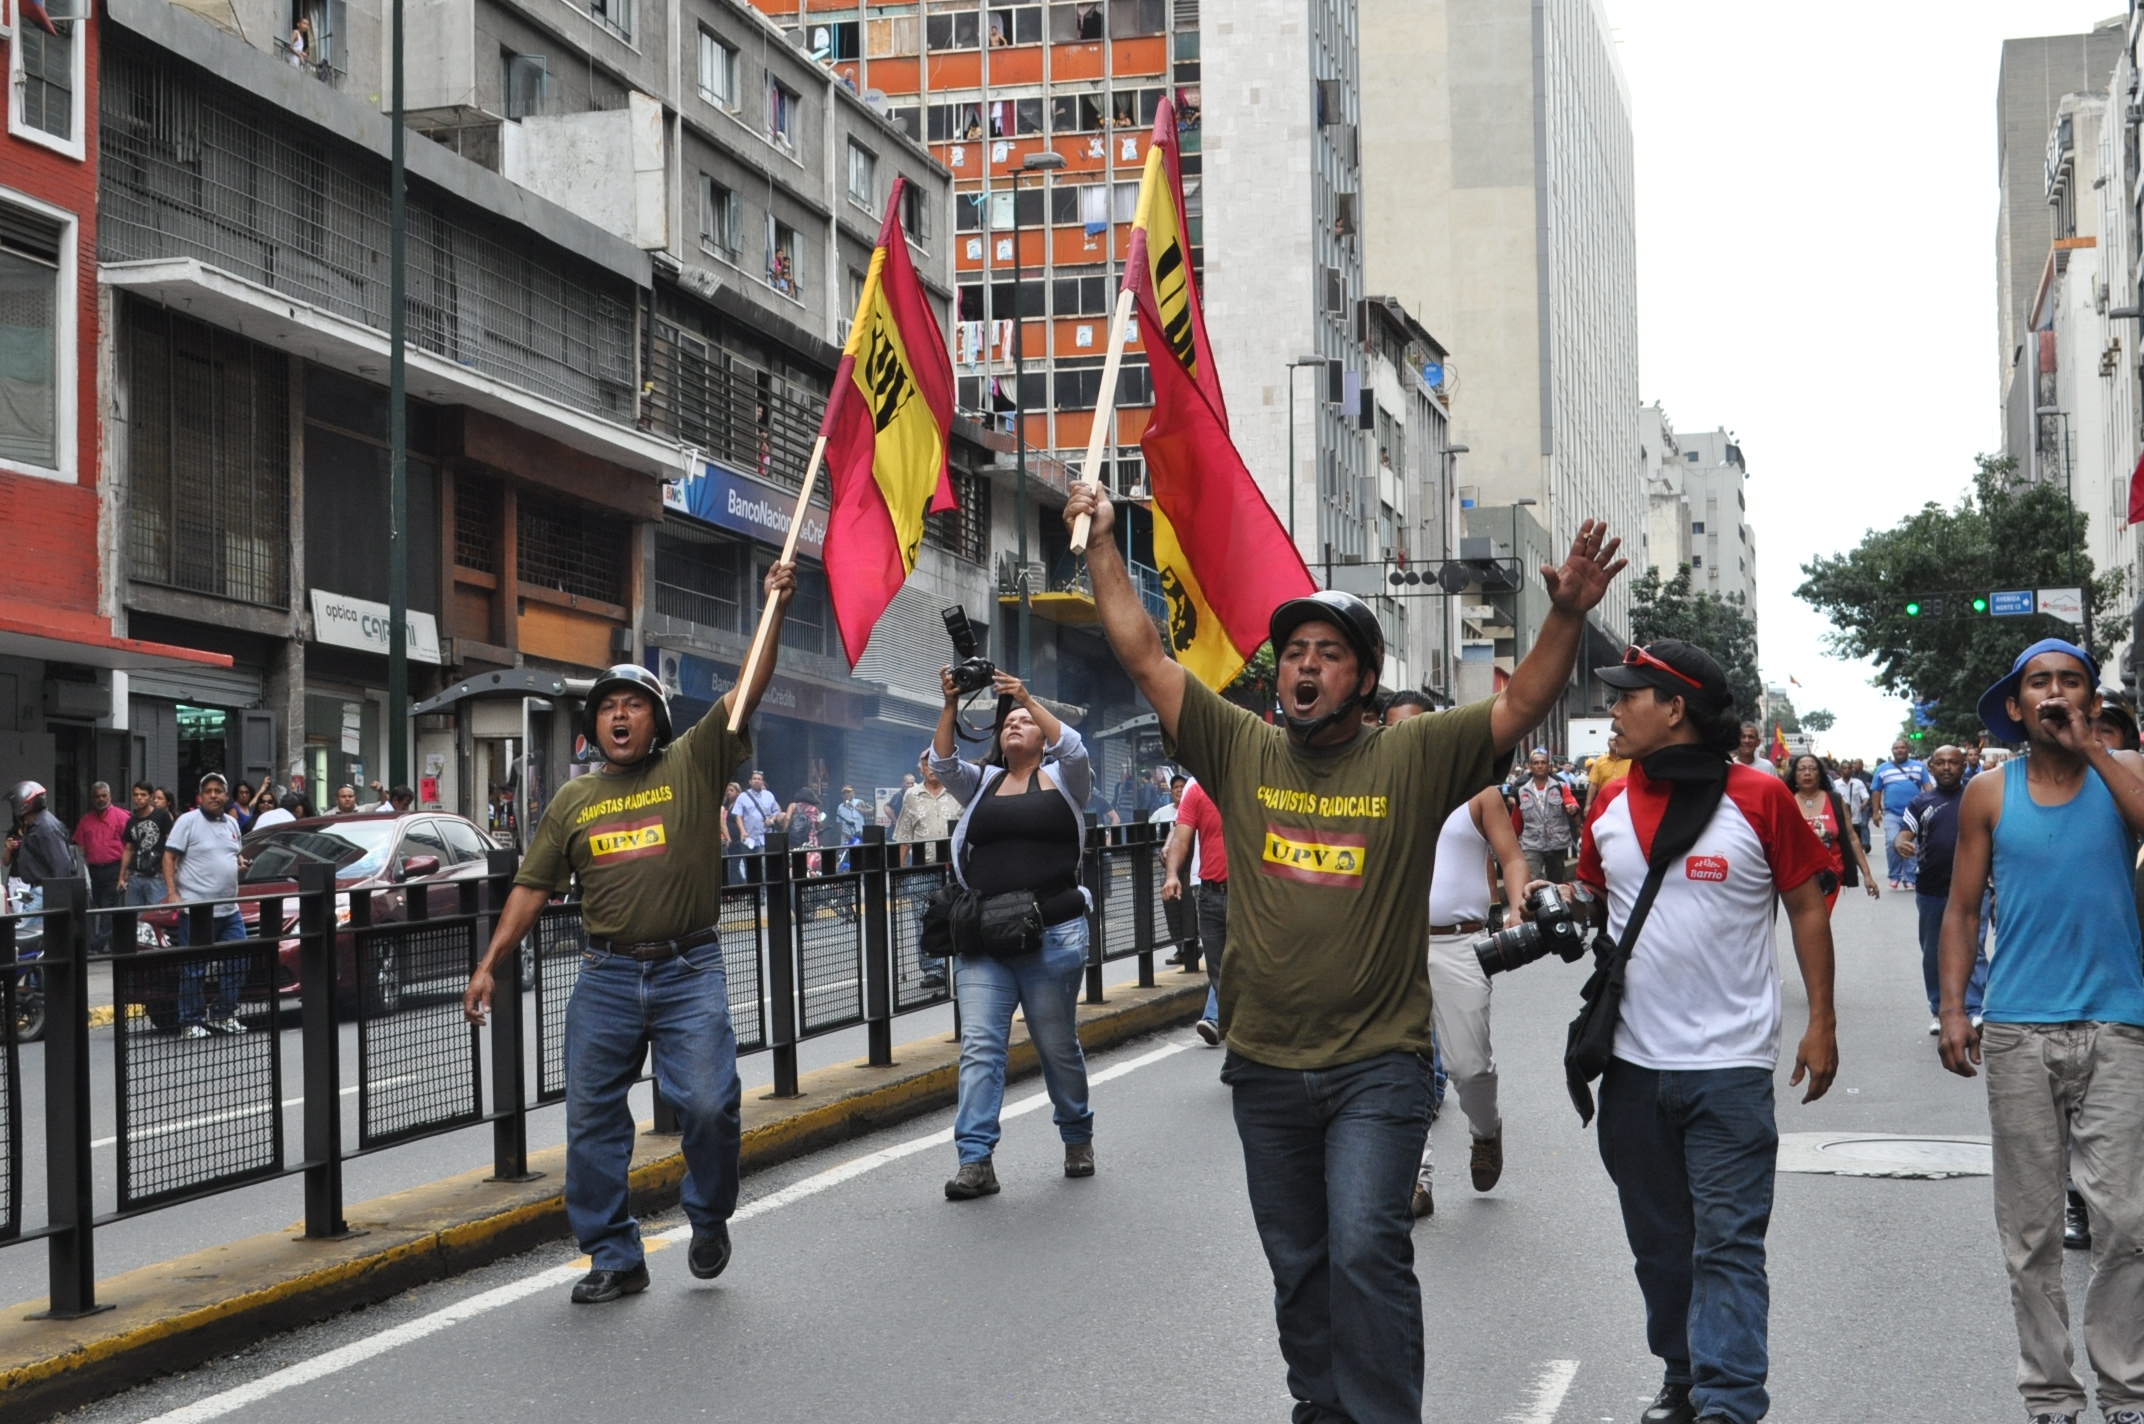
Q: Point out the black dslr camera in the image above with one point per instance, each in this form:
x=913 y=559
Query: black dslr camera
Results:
x=971 y=670
x=1551 y=928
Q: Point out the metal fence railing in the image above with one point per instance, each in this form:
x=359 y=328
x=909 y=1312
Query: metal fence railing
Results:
x=208 y=1005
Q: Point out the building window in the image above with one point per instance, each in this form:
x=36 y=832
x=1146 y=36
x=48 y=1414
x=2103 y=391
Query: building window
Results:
x=1697 y=561
x=479 y=519
x=45 y=71
x=721 y=219
x=959 y=30
x=528 y=81
x=1697 y=526
x=863 y=175
x=785 y=259
x=36 y=340
x=1690 y=455
x=208 y=460
x=1130 y=18
x=806 y=627
x=718 y=72
x=963 y=532
x=916 y=215
x=613 y=15
x=1015 y=25
x=854 y=290
x=836 y=41
x=697 y=579
x=1073 y=20
x=571 y=548
x=782 y=113
x=894 y=38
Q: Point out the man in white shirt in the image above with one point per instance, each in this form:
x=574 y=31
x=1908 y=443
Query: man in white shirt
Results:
x=202 y=862
x=1687 y=1130
x=754 y=805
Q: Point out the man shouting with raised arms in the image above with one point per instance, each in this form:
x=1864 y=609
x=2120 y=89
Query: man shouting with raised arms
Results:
x=1331 y=829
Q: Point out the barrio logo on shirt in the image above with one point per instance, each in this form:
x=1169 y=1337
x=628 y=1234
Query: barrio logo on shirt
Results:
x=1314 y=857
x=630 y=842
x=1705 y=867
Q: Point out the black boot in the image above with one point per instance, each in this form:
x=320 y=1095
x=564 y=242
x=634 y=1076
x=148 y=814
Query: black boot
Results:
x=2076 y=1223
x=1670 y=1406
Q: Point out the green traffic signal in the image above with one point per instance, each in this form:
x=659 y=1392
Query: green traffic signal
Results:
x=1913 y=609
x=1980 y=605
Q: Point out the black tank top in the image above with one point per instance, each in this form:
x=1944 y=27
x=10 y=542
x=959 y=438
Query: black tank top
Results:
x=1027 y=841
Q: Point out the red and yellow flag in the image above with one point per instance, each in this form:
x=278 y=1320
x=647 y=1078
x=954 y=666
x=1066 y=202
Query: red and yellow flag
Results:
x=1225 y=559
x=1779 y=746
x=886 y=432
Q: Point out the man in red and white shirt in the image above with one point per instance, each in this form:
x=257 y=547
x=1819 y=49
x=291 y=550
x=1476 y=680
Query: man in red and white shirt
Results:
x=1197 y=837
x=1686 y=1117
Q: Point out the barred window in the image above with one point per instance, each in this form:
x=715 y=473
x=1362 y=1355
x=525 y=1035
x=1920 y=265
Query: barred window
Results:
x=572 y=548
x=963 y=532
x=31 y=349
x=48 y=79
x=697 y=579
x=208 y=456
x=479 y=514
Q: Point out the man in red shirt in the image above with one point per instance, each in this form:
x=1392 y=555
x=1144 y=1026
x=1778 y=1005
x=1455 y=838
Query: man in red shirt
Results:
x=102 y=835
x=1196 y=817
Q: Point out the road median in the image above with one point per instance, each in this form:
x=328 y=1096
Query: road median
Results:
x=177 y=1314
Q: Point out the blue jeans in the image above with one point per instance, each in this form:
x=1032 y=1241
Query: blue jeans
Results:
x=1045 y=986
x=1212 y=907
x=1330 y=1157
x=1902 y=869
x=1692 y=1156
x=680 y=1009
x=1931 y=908
x=230 y=973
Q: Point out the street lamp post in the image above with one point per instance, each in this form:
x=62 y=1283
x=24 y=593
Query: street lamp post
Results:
x=397 y=429
x=1293 y=367
x=2070 y=534
x=1449 y=548
x=1044 y=162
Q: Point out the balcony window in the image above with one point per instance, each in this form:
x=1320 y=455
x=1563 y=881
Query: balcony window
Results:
x=958 y=30
x=782 y=104
x=718 y=72
x=785 y=259
x=1130 y=18
x=527 y=83
x=721 y=219
x=863 y=175
x=894 y=38
x=613 y=15
x=1075 y=20
x=1015 y=25
x=916 y=215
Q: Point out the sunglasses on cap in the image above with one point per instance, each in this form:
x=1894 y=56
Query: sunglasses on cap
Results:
x=1635 y=656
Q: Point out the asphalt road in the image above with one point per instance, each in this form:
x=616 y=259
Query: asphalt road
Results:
x=858 y=1292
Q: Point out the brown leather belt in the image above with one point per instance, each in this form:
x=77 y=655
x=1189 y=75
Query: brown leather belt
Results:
x=1463 y=927
x=651 y=951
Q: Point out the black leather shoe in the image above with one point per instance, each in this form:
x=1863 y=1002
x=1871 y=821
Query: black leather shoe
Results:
x=599 y=1286
x=1670 y=1406
x=709 y=1252
x=2076 y=1224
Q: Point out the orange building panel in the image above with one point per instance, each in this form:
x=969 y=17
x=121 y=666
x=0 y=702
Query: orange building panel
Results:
x=960 y=70
x=1146 y=55
x=900 y=78
x=1018 y=65
x=1076 y=61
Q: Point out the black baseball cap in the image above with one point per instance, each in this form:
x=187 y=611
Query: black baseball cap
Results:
x=1673 y=666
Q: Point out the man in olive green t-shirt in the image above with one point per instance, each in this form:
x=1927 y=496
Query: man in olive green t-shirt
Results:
x=1331 y=828
x=642 y=837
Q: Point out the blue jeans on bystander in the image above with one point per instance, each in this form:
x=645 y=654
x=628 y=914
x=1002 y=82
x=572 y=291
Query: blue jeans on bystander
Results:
x=1330 y=1156
x=1045 y=987
x=1692 y=1156
x=680 y=1010
x=1931 y=908
x=193 y=975
x=1901 y=869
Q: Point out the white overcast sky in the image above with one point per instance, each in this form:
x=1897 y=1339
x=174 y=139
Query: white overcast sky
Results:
x=1816 y=271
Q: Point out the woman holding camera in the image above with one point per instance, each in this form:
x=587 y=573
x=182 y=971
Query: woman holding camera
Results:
x=1016 y=849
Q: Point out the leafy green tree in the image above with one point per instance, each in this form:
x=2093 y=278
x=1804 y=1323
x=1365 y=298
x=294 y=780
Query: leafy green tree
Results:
x=1721 y=626
x=1779 y=709
x=1999 y=535
x=1819 y=720
x=1253 y=687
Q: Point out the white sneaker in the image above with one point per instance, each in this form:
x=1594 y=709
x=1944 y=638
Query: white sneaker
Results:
x=1935 y=1026
x=230 y=1025
x=1209 y=1033
x=194 y=1031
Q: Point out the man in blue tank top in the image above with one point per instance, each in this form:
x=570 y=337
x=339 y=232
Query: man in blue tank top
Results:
x=2063 y=1041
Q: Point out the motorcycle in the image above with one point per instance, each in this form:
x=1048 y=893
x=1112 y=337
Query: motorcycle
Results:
x=27 y=1023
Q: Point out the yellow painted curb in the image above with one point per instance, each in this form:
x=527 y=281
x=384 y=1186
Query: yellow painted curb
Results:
x=174 y=1315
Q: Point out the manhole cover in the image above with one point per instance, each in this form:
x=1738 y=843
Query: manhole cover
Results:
x=1863 y=1154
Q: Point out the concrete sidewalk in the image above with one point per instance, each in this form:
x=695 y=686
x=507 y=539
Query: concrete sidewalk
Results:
x=179 y=1313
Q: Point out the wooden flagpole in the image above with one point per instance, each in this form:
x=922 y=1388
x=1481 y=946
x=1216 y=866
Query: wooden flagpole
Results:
x=1105 y=407
x=766 y=614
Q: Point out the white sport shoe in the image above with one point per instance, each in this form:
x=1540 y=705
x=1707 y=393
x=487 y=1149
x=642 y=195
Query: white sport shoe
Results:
x=1935 y=1026
x=1209 y=1033
x=194 y=1031
x=230 y=1025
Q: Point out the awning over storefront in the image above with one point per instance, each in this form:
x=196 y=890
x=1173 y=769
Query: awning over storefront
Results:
x=89 y=643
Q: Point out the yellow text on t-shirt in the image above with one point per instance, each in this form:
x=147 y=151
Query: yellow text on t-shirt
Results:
x=1310 y=803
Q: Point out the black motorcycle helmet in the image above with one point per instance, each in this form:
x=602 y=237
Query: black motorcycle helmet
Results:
x=640 y=680
x=1356 y=623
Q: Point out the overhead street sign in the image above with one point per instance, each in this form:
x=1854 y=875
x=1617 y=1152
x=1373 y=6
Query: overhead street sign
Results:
x=2011 y=603
x=2064 y=603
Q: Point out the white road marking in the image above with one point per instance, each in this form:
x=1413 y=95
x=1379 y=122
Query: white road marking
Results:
x=216 y=1406
x=1549 y=1389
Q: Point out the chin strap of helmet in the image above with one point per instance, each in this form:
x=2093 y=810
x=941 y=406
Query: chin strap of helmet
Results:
x=1306 y=729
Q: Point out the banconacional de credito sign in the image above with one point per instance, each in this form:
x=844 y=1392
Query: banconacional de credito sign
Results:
x=360 y=623
x=721 y=496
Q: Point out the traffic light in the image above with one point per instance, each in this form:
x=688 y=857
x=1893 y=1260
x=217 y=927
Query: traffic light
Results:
x=1916 y=736
x=1913 y=608
x=1980 y=604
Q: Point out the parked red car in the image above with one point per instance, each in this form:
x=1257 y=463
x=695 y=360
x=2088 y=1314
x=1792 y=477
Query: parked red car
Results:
x=385 y=854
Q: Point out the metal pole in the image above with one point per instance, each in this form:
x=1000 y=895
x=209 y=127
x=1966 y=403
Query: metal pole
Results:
x=397 y=434
x=1291 y=451
x=1019 y=442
